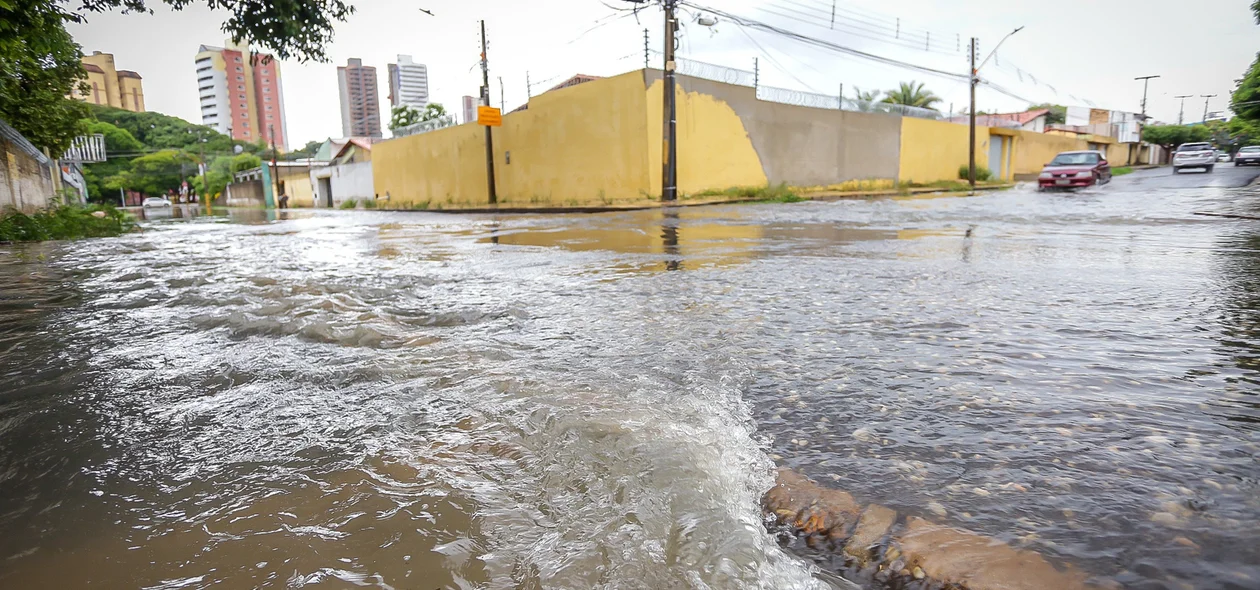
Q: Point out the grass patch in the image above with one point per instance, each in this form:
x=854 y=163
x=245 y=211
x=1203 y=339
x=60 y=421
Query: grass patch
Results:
x=66 y=222
x=1121 y=171
x=369 y=204
x=779 y=193
x=348 y=204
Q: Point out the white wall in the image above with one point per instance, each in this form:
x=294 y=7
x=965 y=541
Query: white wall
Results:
x=348 y=181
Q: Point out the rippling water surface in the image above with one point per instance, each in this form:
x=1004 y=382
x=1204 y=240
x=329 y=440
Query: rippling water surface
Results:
x=414 y=400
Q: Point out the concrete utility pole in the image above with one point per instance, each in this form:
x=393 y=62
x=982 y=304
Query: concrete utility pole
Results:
x=1206 y=98
x=502 y=102
x=975 y=79
x=1146 y=80
x=275 y=175
x=1181 y=114
x=971 y=141
x=669 y=155
x=205 y=186
x=485 y=100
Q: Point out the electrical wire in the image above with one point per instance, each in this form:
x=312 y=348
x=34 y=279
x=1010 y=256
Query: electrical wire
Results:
x=776 y=62
x=880 y=32
x=756 y=24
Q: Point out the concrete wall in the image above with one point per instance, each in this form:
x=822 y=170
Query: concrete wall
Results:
x=801 y=146
x=577 y=145
x=934 y=150
x=245 y=194
x=345 y=182
x=297 y=184
x=26 y=183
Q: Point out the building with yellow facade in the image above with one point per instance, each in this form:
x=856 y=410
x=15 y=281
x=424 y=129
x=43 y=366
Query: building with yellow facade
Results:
x=109 y=86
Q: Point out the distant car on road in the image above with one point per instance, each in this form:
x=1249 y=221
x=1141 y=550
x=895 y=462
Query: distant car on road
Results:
x=1222 y=156
x=1075 y=170
x=156 y=202
x=1194 y=155
x=1247 y=155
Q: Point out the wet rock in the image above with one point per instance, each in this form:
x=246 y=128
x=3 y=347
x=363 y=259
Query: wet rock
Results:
x=936 y=508
x=872 y=526
x=1164 y=518
x=971 y=561
x=1186 y=543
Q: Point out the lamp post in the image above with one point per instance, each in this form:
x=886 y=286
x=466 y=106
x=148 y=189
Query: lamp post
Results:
x=975 y=79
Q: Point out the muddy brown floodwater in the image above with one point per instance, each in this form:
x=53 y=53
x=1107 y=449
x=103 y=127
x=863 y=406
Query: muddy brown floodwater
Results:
x=415 y=400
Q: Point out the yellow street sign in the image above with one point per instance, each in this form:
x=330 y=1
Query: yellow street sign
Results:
x=489 y=116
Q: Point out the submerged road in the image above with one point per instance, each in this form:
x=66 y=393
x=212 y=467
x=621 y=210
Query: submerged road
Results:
x=416 y=400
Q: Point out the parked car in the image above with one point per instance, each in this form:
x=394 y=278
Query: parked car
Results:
x=1247 y=155
x=1075 y=170
x=1222 y=156
x=155 y=202
x=1194 y=155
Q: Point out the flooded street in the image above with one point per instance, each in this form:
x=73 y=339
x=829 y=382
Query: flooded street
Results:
x=417 y=400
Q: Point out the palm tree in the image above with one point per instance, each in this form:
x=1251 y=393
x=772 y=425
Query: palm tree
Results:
x=912 y=94
x=864 y=100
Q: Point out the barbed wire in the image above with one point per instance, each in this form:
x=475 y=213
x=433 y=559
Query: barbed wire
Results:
x=426 y=126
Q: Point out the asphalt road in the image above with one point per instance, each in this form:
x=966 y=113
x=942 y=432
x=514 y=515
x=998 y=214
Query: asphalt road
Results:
x=1225 y=175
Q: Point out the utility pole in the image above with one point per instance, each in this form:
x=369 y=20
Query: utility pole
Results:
x=1146 y=80
x=529 y=88
x=485 y=100
x=669 y=155
x=975 y=80
x=971 y=150
x=840 y=97
x=1141 y=120
x=1206 y=98
x=756 y=73
x=275 y=174
x=502 y=103
x=1181 y=114
x=205 y=186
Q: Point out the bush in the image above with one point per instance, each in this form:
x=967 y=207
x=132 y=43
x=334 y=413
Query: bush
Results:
x=982 y=173
x=348 y=204
x=66 y=222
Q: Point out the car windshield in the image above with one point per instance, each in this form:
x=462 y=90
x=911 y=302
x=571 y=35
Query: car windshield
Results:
x=1076 y=159
x=1194 y=147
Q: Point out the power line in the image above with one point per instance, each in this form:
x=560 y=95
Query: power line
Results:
x=776 y=62
x=898 y=35
x=748 y=22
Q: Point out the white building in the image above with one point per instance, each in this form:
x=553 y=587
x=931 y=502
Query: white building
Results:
x=408 y=84
x=1121 y=125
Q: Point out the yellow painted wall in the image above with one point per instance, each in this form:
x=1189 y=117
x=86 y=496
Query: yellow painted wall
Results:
x=712 y=142
x=1034 y=150
x=584 y=144
x=297 y=184
x=129 y=99
x=933 y=150
x=109 y=92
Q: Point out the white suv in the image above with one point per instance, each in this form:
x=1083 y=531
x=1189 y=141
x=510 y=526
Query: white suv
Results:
x=1194 y=155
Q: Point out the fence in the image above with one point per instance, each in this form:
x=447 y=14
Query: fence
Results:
x=426 y=126
x=728 y=75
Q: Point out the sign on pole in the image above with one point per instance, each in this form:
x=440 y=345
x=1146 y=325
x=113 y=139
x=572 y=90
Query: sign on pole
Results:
x=489 y=116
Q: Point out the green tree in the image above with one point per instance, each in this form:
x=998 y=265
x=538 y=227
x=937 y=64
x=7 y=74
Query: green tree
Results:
x=39 y=67
x=222 y=170
x=1171 y=136
x=156 y=173
x=402 y=116
x=120 y=149
x=912 y=94
x=1058 y=113
x=305 y=151
x=433 y=111
x=293 y=29
x=1245 y=102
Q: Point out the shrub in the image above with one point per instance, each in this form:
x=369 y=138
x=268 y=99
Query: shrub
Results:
x=348 y=204
x=66 y=222
x=982 y=173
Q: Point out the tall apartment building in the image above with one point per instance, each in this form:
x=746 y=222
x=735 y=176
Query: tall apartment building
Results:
x=241 y=95
x=121 y=89
x=408 y=83
x=360 y=106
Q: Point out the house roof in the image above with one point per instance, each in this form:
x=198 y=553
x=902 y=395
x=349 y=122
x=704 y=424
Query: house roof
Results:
x=93 y=68
x=364 y=143
x=128 y=74
x=1023 y=118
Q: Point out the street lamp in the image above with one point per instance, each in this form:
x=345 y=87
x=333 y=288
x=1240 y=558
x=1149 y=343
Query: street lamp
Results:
x=975 y=79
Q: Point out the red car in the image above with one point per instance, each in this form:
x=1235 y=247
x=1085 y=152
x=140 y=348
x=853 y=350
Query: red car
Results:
x=1075 y=170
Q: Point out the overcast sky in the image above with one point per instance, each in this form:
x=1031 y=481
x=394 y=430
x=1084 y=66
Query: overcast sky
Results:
x=1070 y=51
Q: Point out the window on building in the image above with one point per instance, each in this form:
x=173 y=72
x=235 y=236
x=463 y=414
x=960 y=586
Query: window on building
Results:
x=266 y=89
x=240 y=78
x=268 y=116
x=267 y=99
x=237 y=59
